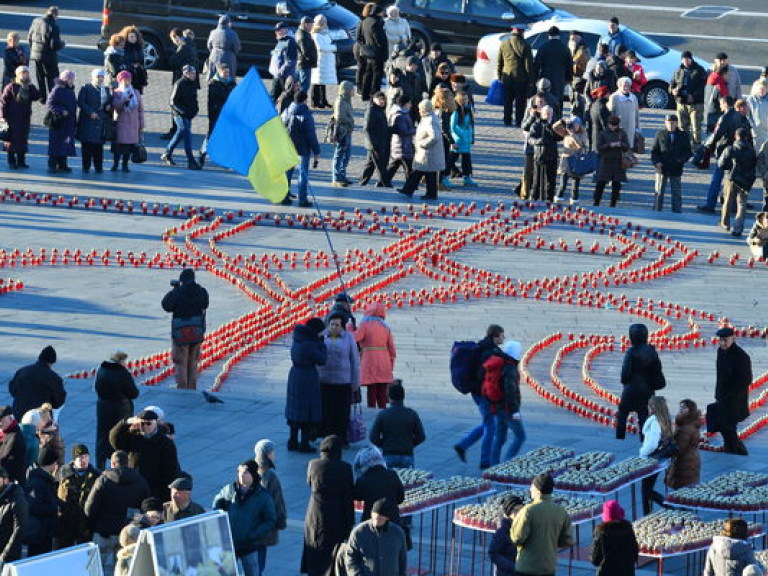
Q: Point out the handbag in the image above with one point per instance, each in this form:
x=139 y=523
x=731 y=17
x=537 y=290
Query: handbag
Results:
x=190 y=330
x=356 y=431
x=628 y=160
x=331 y=131
x=109 y=130
x=667 y=449
x=581 y=164
x=139 y=153
x=495 y=95
x=714 y=417
x=52 y=120
x=5 y=130
x=639 y=147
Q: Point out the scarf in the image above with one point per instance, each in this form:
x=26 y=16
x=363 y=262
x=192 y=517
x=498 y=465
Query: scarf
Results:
x=132 y=102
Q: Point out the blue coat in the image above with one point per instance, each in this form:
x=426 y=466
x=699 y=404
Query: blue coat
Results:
x=301 y=126
x=302 y=402
x=252 y=516
x=61 y=141
x=89 y=101
x=463 y=132
x=502 y=551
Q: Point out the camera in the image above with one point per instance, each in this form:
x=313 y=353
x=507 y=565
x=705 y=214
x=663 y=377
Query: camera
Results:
x=175 y=283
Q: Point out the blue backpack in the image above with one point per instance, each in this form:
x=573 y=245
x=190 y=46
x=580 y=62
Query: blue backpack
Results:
x=465 y=366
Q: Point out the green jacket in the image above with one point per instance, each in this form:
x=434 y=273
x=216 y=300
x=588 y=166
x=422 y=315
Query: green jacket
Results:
x=539 y=530
x=515 y=63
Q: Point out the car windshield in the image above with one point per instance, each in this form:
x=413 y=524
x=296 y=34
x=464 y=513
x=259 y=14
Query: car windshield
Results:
x=530 y=8
x=304 y=5
x=645 y=47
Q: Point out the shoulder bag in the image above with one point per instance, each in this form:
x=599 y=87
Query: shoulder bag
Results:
x=667 y=449
x=639 y=147
x=582 y=164
x=628 y=160
x=139 y=153
x=331 y=131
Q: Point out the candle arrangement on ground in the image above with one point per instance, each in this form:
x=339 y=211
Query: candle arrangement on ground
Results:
x=675 y=531
x=413 y=477
x=486 y=516
x=445 y=491
x=736 y=491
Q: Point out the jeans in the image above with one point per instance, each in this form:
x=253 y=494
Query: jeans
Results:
x=484 y=430
x=505 y=421
x=675 y=187
x=303 y=177
x=714 y=187
x=341 y=153
x=183 y=129
x=304 y=78
x=251 y=562
x=399 y=461
x=107 y=547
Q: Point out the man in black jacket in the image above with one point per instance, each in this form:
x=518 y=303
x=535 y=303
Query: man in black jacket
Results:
x=397 y=430
x=734 y=375
x=307 y=51
x=184 y=55
x=188 y=302
x=14 y=518
x=13 y=447
x=184 y=108
x=554 y=62
x=36 y=384
x=76 y=480
x=45 y=42
x=377 y=139
x=687 y=87
x=738 y=162
x=373 y=52
x=671 y=150
x=113 y=493
x=43 y=502
x=150 y=451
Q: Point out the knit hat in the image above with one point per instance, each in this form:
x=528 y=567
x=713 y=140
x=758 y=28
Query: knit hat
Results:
x=262 y=450
x=48 y=355
x=367 y=458
x=187 y=275
x=253 y=468
x=513 y=348
x=67 y=75
x=686 y=54
x=157 y=410
x=147 y=415
x=612 y=511
x=124 y=75
x=721 y=56
x=383 y=507
x=509 y=504
x=543 y=483
x=316 y=325
x=79 y=450
x=48 y=455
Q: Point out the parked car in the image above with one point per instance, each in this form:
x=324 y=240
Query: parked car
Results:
x=659 y=62
x=254 y=21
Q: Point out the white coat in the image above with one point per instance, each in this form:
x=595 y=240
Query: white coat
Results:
x=628 y=110
x=398 y=32
x=325 y=72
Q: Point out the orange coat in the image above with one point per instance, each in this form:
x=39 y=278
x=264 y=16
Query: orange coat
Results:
x=377 y=348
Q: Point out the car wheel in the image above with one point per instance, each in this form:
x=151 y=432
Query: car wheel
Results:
x=421 y=43
x=656 y=95
x=153 y=52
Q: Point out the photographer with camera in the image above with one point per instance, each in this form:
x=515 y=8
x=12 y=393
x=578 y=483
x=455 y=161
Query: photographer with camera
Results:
x=687 y=87
x=188 y=302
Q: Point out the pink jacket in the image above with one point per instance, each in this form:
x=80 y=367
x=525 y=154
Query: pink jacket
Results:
x=377 y=348
x=130 y=123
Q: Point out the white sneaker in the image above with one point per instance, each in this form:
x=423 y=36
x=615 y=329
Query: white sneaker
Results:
x=557 y=199
x=574 y=201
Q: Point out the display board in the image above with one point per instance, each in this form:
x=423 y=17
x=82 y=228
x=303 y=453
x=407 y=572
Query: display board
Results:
x=201 y=545
x=82 y=560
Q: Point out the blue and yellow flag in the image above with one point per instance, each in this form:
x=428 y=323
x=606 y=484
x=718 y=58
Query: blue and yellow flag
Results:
x=250 y=138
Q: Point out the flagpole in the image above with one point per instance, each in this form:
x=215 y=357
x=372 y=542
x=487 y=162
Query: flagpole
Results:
x=327 y=237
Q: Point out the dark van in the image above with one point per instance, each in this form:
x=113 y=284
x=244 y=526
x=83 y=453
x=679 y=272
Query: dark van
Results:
x=254 y=21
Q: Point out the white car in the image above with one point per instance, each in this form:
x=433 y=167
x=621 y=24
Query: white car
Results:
x=659 y=62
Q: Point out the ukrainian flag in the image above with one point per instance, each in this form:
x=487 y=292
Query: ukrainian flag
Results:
x=250 y=138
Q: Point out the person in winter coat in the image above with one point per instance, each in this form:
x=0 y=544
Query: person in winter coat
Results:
x=758 y=236
x=730 y=552
x=444 y=105
x=76 y=480
x=13 y=57
x=283 y=60
x=623 y=103
x=515 y=70
x=14 y=518
x=715 y=90
x=184 y=107
x=636 y=73
x=181 y=505
x=377 y=349
x=223 y=47
x=656 y=430
x=330 y=513
x=596 y=93
x=508 y=410
x=129 y=537
x=13 y=448
x=502 y=551
x=397 y=29
x=128 y=105
x=543 y=139
x=184 y=54
x=150 y=451
x=114 y=58
x=734 y=376
x=303 y=404
x=671 y=150
x=429 y=153
x=345 y=125
x=463 y=134
x=264 y=455
x=114 y=492
x=758 y=111
x=432 y=61
x=133 y=57
x=307 y=53
x=685 y=468
x=612 y=143
x=687 y=87
x=252 y=515
x=324 y=74
x=339 y=376
x=116 y=391
x=614 y=546
x=377 y=141
x=95 y=104
x=641 y=375
x=43 y=503
x=37 y=384
x=373 y=481
x=377 y=546
x=575 y=142
x=371 y=50
x=290 y=89
x=401 y=144
x=45 y=41
x=397 y=430
x=219 y=89
x=16 y=109
x=300 y=123
x=554 y=62
x=62 y=102
x=738 y=162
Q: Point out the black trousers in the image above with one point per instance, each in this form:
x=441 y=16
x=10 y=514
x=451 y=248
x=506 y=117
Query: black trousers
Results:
x=466 y=162
x=413 y=182
x=564 y=186
x=615 y=192
x=394 y=165
x=370 y=81
x=649 y=495
x=46 y=73
x=731 y=441
x=623 y=414
x=376 y=160
x=93 y=153
x=318 y=96
x=336 y=401
x=514 y=96
x=544 y=180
